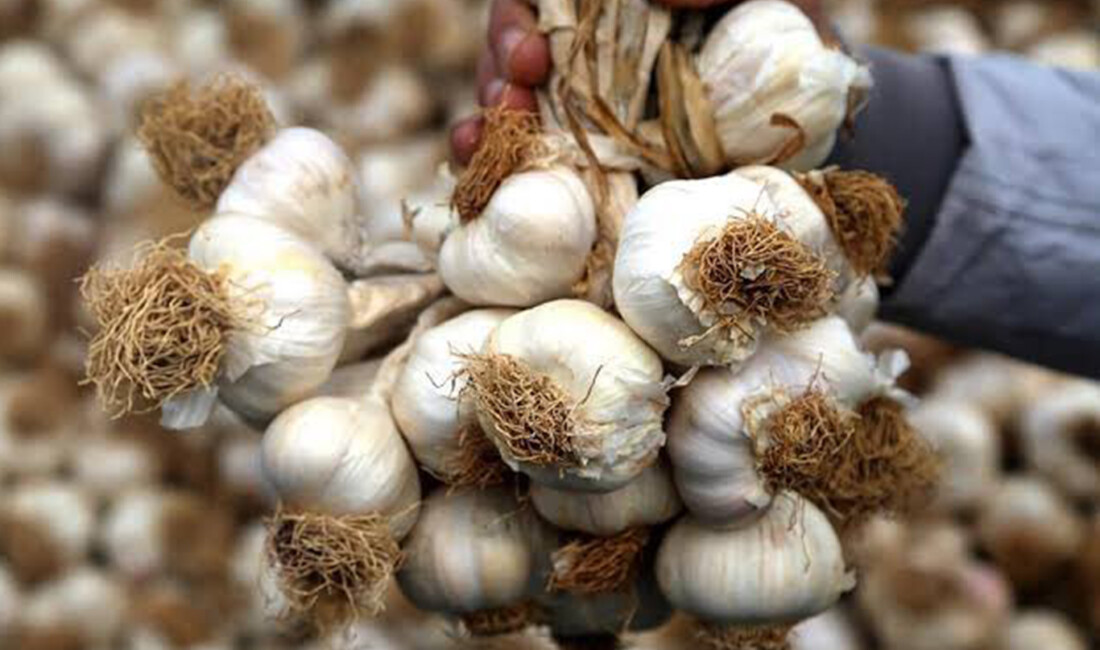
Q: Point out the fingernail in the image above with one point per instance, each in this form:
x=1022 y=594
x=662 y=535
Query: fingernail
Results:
x=492 y=93
x=509 y=41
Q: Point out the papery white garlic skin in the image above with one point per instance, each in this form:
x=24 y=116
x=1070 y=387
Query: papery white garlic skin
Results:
x=784 y=566
x=105 y=465
x=473 y=550
x=341 y=456
x=425 y=401
x=613 y=377
x=859 y=304
x=968 y=444
x=292 y=346
x=60 y=511
x=1057 y=432
x=130 y=533
x=86 y=598
x=650 y=294
x=648 y=500
x=250 y=570
x=763 y=58
x=1045 y=629
x=302 y=181
x=528 y=245
x=709 y=440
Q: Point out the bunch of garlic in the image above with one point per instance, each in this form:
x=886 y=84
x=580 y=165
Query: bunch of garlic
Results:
x=349 y=492
x=569 y=396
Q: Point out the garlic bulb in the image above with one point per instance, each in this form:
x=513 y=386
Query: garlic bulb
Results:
x=425 y=401
x=1046 y=629
x=648 y=500
x=695 y=310
x=527 y=246
x=1030 y=531
x=87 y=602
x=1060 y=433
x=28 y=452
x=636 y=607
x=269 y=315
x=148 y=532
x=998 y=385
x=1018 y=22
x=1078 y=49
x=772 y=82
x=969 y=444
x=395 y=102
x=833 y=629
x=389 y=173
x=23 y=314
x=570 y=396
x=106 y=34
x=129 y=80
x=340 y=457
x=47 y=528
x=268 y=35
x=474 y=550
x=947 y=30
x=783 y=566
x=302 y=181
x=710 y=429
x=104 y=465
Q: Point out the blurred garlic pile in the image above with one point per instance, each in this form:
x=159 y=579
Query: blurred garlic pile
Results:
x=448 y=393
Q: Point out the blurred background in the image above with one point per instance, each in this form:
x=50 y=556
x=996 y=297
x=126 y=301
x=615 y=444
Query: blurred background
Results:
x=116 y=534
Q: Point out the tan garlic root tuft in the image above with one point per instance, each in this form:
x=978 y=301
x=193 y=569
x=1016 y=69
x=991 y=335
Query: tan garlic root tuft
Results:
x=597 y=565
x=197 y=137
x=730 y=637
x=852 y=465
x=532 y=417
x=478 y=463
x=755 y=269
x=509 y=141
x=864 y=212
x=177 y=617
x=46 y=385
x=63 y=637
x=332 y=568
x=503 y=620
x=163 y=328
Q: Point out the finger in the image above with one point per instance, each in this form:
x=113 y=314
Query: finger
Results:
x=522 y=53
x=465 y=138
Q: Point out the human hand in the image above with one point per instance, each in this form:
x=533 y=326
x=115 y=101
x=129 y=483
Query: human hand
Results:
x=518 y=60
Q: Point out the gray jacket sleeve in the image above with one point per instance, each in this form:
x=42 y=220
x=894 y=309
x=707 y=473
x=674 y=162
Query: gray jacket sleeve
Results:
x=1000 y=160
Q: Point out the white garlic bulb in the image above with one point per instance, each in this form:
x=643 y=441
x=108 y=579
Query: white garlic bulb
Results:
x=947 y=30
x=24 y=313
x=268 y=35
x=969 y=445
x=1029 y=529
x=657 y=256
x=1046 y=629
x=474 y=550
x=302 y=181
x=87 y=601
x=598 y=386
x=648 y=500
x=105 y=465
x=340 y=456
x=783 y=566
x=106 y=34
x=292 y=347
x=1077 y=49
x=833 y=629
x=395 y=102
x=389 y=173
x=425 y=400
x=1018 y=22
x=764 y=59
x=529 y=244
x=998 y=385
x=1060 y=433
x=710 y=439
x=53 y=524
x=636 y=607
x=130 y=80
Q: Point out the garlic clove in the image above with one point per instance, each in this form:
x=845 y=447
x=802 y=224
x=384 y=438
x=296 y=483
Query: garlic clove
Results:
x=592 y=392
x=647 y=500
x=528 y=246
x=782 y=567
